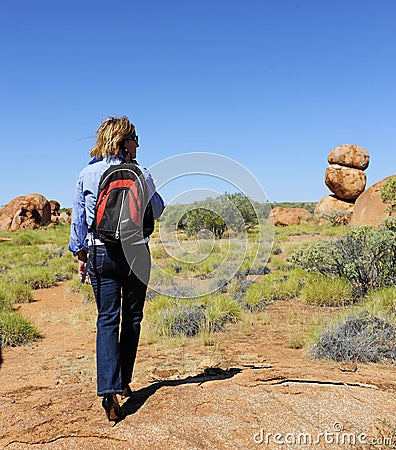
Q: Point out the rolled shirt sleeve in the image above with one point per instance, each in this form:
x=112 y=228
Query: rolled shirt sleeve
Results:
x=79 y=226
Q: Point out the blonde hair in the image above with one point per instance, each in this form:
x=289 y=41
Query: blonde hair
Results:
x=110 y=137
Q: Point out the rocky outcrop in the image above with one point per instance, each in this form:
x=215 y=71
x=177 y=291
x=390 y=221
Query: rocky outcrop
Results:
x=30 y=211
x=331 y=203
x=65 y=217
x=346 y=180
x=290 y=216
x=55 y=207
x=347 y=183
x=369 y=209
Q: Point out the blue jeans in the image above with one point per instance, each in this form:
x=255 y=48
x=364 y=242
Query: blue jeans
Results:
x=119 y=293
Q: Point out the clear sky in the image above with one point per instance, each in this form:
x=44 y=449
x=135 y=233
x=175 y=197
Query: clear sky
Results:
x=272 y=84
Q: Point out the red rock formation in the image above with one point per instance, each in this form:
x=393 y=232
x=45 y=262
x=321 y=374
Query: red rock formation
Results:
x=30 y=211
x=290 y=216
x=369 y=209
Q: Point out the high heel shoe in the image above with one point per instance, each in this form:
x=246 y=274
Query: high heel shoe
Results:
x=126 y=392
x=112 y=407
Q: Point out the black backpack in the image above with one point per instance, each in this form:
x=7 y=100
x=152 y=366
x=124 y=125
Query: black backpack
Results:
x=123 y=212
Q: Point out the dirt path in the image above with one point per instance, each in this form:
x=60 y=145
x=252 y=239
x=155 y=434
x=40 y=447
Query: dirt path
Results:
x=235 y=394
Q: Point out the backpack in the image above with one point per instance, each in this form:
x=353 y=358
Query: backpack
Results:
x=123 y=212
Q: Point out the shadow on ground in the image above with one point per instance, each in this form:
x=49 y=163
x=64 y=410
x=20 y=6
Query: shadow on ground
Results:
x=139 y=397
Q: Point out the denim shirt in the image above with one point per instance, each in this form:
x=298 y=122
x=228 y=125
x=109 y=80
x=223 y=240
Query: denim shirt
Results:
x=85 y=200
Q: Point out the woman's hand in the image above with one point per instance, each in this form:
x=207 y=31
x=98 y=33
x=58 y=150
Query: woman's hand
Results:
x=82 y=264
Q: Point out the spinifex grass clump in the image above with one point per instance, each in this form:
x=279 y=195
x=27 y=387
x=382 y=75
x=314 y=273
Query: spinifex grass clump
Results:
x=36 y=277
x=28 y=237
x=169 y=316
x=16 y=330
x=275 y=286
x=15 y=292
x=257 y=297
x=382 y=302
x=220 y=310
x=360 y=337
x=320 y=290
x=187 y=322
x=160 y=312
x=5 y=301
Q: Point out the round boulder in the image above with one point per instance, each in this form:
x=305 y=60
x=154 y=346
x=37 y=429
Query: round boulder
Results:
x=349 y=155
x=346 y=183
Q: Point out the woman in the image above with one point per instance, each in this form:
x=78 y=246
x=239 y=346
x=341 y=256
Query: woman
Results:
x=115 y=272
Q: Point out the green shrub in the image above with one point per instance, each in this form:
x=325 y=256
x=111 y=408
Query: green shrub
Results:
x=388 y=194
x=159 y=277
x=292 y=284
x=15 y=292
x=323 y=291
x=237 y=286
x=175 y=291
x=57 y=236
x=318 y=325
x=16 y=330
x=389 y=223
x=364 y=256
x=331 y=231
x=25 y=255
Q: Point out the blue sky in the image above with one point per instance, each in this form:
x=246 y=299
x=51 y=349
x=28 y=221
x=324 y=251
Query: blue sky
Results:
x=273 y=84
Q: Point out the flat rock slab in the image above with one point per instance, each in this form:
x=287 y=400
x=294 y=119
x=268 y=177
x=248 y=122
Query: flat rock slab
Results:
x=267 y=396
